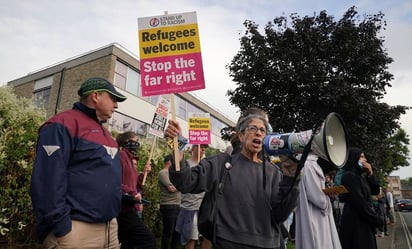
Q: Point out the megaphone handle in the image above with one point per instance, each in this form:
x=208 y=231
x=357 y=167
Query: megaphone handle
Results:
x=301 y=163
x=305 y=154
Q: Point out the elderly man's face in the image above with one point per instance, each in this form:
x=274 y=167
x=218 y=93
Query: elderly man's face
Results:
x=105 y=105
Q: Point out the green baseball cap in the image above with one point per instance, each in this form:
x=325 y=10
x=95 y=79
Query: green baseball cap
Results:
x=99 y=85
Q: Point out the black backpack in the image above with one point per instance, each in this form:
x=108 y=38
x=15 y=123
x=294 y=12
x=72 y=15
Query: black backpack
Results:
x=209 y=207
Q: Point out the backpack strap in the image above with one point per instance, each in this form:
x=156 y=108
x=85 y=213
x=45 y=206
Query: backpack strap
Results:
x=223 y=173
x=224 y=170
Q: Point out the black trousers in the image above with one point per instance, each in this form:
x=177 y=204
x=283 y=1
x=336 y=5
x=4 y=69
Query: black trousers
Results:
x=226 y=244
x=133 y=233
x=170 y=238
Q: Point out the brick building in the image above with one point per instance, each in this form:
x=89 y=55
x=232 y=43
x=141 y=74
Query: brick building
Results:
x=55 y=88
x=394 y=183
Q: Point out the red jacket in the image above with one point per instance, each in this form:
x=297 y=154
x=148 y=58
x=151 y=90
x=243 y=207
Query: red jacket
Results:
x=131 y=179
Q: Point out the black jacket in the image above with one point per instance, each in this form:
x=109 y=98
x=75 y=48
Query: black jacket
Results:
x=359 y=220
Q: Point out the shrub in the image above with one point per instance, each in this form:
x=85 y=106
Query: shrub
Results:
x=19 y=122
x=151 y=190
x=151 y=213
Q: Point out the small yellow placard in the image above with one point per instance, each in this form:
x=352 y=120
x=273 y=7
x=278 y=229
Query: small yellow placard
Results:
x=335 y=190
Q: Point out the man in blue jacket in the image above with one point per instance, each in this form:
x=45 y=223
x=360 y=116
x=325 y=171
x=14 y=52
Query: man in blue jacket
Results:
x=76 y=179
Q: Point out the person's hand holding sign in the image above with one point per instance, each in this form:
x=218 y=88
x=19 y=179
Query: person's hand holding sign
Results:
x=173 y=130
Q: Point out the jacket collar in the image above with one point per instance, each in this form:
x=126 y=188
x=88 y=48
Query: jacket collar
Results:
x=88 y=111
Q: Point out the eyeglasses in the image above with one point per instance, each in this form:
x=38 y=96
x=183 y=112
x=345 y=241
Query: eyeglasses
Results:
x=254 y=129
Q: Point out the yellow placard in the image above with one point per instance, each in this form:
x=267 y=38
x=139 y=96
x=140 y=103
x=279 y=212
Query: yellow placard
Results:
x=199 y=123
x=335 y=190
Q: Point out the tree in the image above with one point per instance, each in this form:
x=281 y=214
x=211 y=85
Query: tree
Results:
x=300 y=71
x=391 y=154
x=407 y=181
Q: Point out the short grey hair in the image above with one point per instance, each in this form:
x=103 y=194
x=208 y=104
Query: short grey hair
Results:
x=245 y=121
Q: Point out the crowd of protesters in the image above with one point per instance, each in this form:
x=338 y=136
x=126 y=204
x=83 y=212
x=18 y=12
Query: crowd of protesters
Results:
x=87 y=193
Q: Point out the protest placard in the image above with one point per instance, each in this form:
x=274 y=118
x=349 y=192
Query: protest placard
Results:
x=160 y=117
x=199 y=128
x=170 y=56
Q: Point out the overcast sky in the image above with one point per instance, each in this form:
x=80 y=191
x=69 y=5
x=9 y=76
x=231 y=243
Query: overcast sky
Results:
x=36 y=34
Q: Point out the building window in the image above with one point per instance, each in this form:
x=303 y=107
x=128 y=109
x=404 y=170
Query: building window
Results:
x=153 y=99
x=122 y=123
x=127 y=78
x=41 y=92
x=41 y=98
x=184 y=108
x=217 y=126
x=120 y=75
x=181 y=108
x=132 y=81
x=192 y=108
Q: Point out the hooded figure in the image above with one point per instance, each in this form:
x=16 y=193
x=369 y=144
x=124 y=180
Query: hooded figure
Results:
x=315 y=225
x=359 y=220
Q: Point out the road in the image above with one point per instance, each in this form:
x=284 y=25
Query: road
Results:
x=403 y=232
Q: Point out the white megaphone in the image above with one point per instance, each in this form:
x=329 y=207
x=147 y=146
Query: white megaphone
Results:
x=329 y=141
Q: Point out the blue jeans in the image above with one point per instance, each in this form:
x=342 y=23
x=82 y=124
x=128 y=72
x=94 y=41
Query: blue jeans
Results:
x=170 y=238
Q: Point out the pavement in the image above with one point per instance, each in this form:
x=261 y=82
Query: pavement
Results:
x=388 y=242
x=397 y=238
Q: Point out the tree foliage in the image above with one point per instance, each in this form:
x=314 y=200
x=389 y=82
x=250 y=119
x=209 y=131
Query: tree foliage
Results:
x=19 y=121
x=151 y=188
x=303 y=68
x=407 y=181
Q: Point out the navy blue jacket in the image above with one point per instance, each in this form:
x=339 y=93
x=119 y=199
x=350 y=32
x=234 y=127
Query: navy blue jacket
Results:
x=76 y=173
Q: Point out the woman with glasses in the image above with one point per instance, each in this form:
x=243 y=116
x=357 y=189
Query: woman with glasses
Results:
x=132 y=232
x=254 y=198
x=235 y=144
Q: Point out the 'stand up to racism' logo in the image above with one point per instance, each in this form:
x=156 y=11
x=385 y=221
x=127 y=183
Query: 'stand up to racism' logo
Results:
x=154 y=22
x=276 y=143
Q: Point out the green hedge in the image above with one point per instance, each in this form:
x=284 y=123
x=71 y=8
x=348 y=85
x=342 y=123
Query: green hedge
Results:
x=19 y=122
